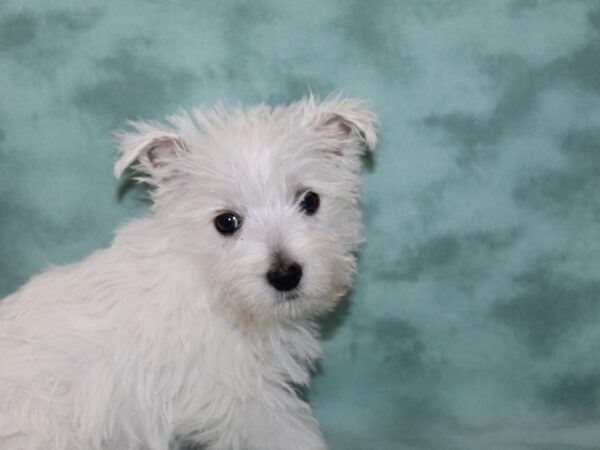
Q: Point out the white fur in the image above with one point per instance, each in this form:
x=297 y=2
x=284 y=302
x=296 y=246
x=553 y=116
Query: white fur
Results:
x=173 y=334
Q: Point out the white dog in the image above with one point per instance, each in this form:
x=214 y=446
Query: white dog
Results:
x=197 y=323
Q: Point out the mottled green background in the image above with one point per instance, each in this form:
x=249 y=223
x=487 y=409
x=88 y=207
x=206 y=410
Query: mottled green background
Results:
x=474 y=320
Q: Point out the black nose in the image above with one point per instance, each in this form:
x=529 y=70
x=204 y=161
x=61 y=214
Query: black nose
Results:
x=285 y=277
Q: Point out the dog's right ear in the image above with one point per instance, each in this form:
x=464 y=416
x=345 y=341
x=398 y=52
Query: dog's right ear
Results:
x=151 y=144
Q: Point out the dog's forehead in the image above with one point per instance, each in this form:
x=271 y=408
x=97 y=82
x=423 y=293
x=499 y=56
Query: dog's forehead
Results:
x=263 y=162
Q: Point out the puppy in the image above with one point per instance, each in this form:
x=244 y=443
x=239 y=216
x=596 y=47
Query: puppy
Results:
x=197 y=323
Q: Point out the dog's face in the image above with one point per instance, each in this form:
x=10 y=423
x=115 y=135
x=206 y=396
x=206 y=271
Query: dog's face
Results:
x=264 y=199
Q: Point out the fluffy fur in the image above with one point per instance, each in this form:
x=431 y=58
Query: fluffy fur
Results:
x=172 y=333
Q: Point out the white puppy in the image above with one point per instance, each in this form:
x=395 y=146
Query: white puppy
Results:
x=197 y=323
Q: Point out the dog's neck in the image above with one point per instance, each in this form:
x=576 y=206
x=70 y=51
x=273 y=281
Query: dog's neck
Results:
x=288 y=350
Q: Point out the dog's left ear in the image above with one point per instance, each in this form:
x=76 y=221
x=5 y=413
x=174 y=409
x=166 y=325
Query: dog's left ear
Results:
x=347 y=120
x=152 y=145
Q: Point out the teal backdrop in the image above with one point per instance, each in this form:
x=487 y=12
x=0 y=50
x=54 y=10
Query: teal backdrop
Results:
x=473 y=323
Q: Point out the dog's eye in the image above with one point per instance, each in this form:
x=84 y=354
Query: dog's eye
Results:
x=227 y=223
x=309 y=203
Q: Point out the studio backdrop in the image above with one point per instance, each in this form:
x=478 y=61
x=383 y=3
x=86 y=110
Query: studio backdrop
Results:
x=474 y=322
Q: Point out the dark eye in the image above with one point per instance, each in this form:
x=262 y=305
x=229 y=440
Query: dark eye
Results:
x=227 y=223
x=309 y=203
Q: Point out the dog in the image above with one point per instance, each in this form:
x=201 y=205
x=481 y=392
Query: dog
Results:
x=197 y=325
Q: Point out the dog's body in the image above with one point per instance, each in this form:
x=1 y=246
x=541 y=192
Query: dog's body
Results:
x=197 y=323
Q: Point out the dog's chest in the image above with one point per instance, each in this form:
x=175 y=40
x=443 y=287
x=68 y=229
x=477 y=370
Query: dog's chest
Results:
x=244 y=362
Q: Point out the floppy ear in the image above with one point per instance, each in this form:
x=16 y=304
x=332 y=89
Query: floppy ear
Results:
x=348 y=119
x=150 y=144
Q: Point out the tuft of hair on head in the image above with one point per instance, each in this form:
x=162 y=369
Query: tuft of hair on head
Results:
x=343 y=118
x=151 y=145
x=347 y=126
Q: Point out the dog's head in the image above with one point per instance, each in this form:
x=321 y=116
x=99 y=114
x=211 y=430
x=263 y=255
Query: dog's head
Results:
x=265 y=199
